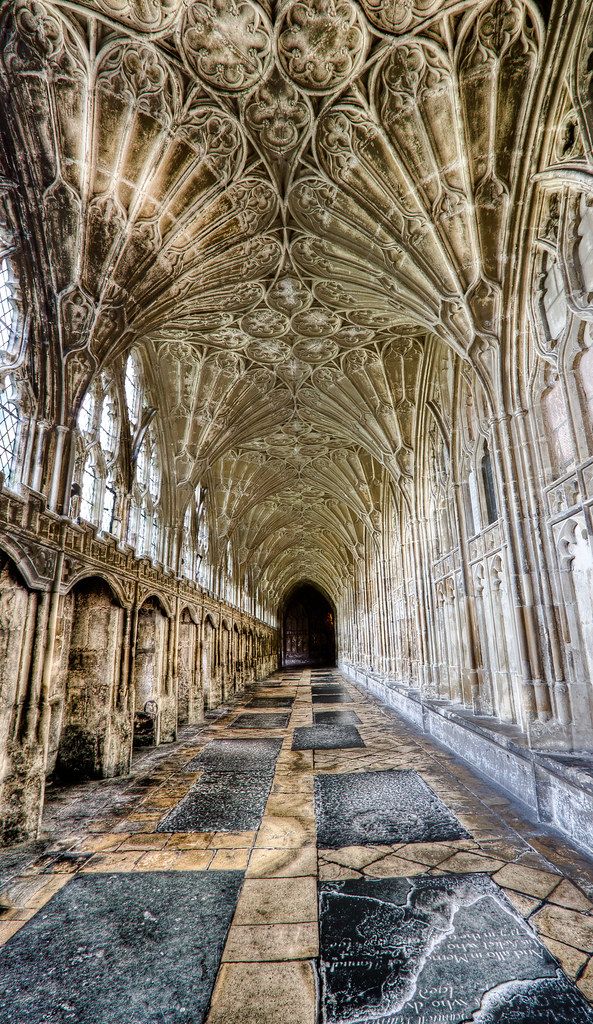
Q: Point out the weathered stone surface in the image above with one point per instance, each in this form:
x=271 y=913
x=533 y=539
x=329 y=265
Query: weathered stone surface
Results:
x=123 y=948
x=279 y=283
x=271 y=702
x=256 y=721
x=326 y=737
x=220 y=802
x=335 y=718
x=436 y=949
x=237 y=756
x=365 y=808
x=331 y=697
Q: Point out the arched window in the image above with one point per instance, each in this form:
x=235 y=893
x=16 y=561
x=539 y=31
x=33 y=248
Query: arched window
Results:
x=188 y=544
x=133 y=389
x=489 y=488
x=99 y=455
x=9 y=427
x=89 y=489
x=555 y=306
x=585 y=247
x=584 y=379
x=556 y=424
x=10 y=398
x=145 y=524
x=9 y=314
x=203 y=569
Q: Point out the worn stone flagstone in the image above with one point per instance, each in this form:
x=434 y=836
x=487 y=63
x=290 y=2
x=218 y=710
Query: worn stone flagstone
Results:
x=326 y=737
x=428 y=950
x=255 y=721
x=162 y=820
x=336 y=718
x=237 y=756
x=331 y=698
x=271 y=702
x=363 y=808
x=220 y=802
x=122 y=948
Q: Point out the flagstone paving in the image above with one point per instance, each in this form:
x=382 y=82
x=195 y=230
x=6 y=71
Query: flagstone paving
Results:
x=105 y=878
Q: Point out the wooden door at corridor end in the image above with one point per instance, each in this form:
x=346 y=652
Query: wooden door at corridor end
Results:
x=308 y=628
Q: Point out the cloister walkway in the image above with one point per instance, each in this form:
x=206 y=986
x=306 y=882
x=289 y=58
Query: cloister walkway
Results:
x=304 y=855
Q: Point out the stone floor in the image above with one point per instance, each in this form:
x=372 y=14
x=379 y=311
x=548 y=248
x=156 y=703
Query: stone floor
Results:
x=449 y=904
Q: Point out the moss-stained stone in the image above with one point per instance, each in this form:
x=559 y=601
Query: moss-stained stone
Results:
x=141 y=948
x=436 y=949
x=326 y=737
x=366 y=808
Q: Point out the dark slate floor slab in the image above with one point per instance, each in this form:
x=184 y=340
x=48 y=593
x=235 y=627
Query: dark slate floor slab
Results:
x=237 y=756
x=261 y=722
x=366 y=808
x=220 y=802
x=335 y=718
x=326 y=737
x=271 y=702
x=331 y=698
x=429 y=950
x=120 y=949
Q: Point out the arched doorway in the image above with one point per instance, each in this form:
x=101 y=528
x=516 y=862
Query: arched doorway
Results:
x=189 y=701
x=209 y=664
x=149 y=673
x=87 y=738
x=21 y=770
x=308 y=628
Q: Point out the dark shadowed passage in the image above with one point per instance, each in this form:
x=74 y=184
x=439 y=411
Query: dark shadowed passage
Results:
x=308 y=628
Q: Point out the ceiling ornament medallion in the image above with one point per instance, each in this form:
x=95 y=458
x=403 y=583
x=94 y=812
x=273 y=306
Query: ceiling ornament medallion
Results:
x=402 y=15
x=226 y=43
x=321 y=43
x=316 y=323
x=278 y=114
x=265 y=323
x=147 y=15
x=268 y=350
x=289 y=295
x=315 y=350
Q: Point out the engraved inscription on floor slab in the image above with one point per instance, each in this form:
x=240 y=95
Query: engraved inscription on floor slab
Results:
x=237 y=756
x=261 y=722
x=434 y=950
x=365 y=808
x=326 y=737
x=336 y=718
x=271 y=702
x=120 y=948
x=331 y=698
x=220 y=802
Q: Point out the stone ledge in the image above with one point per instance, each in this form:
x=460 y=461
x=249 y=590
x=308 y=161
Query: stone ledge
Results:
x=557 y=788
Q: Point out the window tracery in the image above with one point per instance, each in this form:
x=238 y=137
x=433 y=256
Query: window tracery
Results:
x=9 y=313
x=98 y=457
x=490 y=502
x=10 y=421
x=145 y=518
x=11 y=398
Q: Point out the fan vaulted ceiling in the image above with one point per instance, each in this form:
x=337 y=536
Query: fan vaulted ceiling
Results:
x=279 y=204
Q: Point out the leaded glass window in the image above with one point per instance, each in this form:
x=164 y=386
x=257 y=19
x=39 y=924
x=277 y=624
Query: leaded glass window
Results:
x=9 y=427
x=8 y=312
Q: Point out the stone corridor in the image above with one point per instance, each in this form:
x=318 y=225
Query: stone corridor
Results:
x=319 y=861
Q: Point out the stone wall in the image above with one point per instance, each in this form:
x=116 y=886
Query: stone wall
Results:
x=87 y=642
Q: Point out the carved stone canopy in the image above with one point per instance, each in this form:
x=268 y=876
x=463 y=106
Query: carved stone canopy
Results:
x=277 y=205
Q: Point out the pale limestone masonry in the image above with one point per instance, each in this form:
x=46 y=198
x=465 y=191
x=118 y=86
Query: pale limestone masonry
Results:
x=297 y=293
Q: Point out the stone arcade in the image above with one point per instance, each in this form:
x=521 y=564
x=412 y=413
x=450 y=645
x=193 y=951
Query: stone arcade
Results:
x=296 y=371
